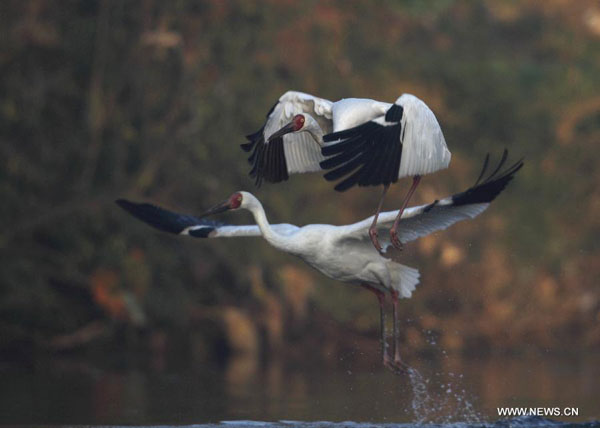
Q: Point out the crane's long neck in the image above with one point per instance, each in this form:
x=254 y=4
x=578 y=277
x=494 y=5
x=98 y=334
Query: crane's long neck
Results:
x=317 y=134
x=272 y=237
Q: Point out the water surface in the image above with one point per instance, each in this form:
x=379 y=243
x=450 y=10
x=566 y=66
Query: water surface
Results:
x=444 y=391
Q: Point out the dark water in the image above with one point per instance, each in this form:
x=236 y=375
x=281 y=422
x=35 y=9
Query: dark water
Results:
x=536 y=422
x=442 y=392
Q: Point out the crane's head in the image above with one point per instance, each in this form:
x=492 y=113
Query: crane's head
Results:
x=297 y=124
x=234 y=202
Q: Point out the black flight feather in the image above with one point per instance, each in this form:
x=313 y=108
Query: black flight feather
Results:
x=168 y=221
x=486 y=162
x=367 y=155
x=341 y=158
x=489 y=188
x=346 y=168
x=267 y=158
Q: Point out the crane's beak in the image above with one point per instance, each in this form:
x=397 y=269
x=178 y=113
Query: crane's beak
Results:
x=220 y=208
x=285 y=130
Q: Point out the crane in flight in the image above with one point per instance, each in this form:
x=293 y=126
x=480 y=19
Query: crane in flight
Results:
x=343 y=253
x=366 y=142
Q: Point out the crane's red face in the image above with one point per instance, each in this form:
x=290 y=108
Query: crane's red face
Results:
x=232 y=203
x=298 y=122
x=295 y=125
x=235 y=200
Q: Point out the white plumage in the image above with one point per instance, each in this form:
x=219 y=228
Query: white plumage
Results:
x=343 y=253
x=398 y=140
x=350 y=112
x=295 y=152
x=360 y=141
x=424 y=149
x=301 y=152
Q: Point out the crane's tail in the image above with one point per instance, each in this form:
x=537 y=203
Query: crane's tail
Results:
x=404 y=278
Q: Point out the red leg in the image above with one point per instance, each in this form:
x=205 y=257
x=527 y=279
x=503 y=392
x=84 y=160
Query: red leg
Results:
x=373 y=228
x=381 y=299
x=393 y=365
x=393 y=231
x=398 y=363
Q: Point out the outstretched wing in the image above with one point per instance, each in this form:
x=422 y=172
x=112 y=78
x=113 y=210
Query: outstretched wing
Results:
x=440 y=214
x=405 y=140
x=183 y=224
x=368 y=154
x=275 y=160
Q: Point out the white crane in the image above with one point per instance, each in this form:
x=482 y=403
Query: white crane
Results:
x=366 y=141
x=343 y=253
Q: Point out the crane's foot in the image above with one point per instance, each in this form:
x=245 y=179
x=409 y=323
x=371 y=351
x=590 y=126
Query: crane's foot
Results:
x=401 y=365
x=395 y=240
x=396 y=367
x=373 y=235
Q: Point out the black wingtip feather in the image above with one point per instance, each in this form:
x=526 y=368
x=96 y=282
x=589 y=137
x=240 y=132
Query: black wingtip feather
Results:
x=340 y=158
x=267 y=159
x=500 y=164
x=247 y=146
x=254 y=135
x=124 y=203
x=156 y=217
x=369 y=155
x=344 y=185
x=486 y=162
x=339 y=135
x=334 y=149
x=201 y=232
x=166 y=220
x=346 y=168
x=491 y=186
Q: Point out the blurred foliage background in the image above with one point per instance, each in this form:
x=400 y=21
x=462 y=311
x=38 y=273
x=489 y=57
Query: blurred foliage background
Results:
x=150 y=100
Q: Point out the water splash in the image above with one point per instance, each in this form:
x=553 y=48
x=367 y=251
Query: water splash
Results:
x=422 y=401
x=441 y=399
